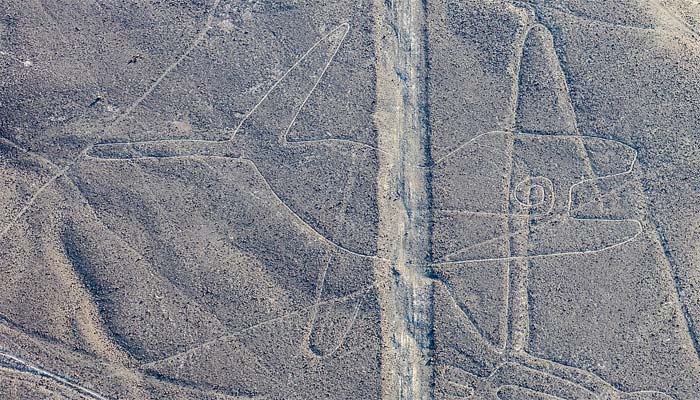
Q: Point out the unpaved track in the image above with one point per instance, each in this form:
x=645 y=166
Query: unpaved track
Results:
x=404 y=200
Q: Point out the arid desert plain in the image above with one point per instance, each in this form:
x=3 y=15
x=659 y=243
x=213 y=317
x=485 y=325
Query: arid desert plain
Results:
x=350 y=200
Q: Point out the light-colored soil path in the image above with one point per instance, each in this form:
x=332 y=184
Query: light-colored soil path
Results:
x=404 y=200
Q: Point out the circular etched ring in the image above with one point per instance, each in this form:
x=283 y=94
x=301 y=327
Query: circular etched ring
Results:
x=535 y=194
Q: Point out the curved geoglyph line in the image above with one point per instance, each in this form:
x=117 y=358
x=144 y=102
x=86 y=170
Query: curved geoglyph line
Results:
x=170 y=148
x=566 y=213
x=331 y=243
x=213 y=144
x=283 y=135
x=283 y=138
x=587 y=384
x=535 y=182
x=305 y=224
x=307 y=347
x=549 y=372
x=171 y=67
x=357 y=294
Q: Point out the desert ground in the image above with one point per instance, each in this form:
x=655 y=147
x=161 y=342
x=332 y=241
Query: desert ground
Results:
x=395 y=200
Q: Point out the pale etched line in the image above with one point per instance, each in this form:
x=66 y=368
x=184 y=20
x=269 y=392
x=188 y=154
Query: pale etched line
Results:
x=28 y=152
x=31 y=201
x=515 y=99
x=358 y=305
x=128 y=110
x=153 y=142
x=283 y=136
x=598 y=385
x=88 y=148
x=540 y=395
x=341 y=217
x=348 y=353
x=553 y=218
x=565 y=253
x=296 y=217
x=339 y=141
x=307 y=225
x=117 y=368
x=459 y=211
x=198 y=39
x=505 y=214
x=345 y=25
x=86 y=202
x=628 y=171
x=577 y=15
x=569 y=209
x=463 y=145
x=572 y=110
x=467 y=315
x=548 y=194
x=469 y=374
x=247 y=116
x=233 y=334
x=673 y=271
x=36 y=369
x=306 y=340
x=688 y=29
x=521 y=359
x=34 y=197
x=216 y=143
x=517 y=311
x=509 y=330
x=569 y=104
x=534 y=374
x=554 y=369
x=313 y=88
x=536 y=256
x=512 y=115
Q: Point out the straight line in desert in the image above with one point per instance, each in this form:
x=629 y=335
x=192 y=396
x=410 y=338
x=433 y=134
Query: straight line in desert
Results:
x=404 y=200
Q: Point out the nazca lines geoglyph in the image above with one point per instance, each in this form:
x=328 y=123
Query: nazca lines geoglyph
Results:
x=517 y=370
x=202 y=148
x=180 y=148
